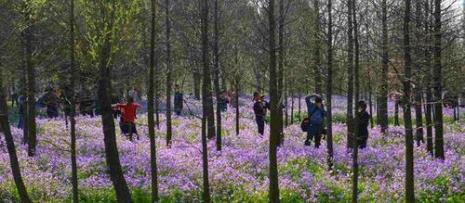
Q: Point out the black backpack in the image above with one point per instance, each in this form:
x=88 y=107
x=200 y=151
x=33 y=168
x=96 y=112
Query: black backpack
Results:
x=305 y=124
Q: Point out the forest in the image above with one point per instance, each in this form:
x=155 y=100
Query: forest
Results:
x=232 y=101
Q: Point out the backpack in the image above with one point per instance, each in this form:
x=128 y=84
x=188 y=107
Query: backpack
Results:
x=305 y=124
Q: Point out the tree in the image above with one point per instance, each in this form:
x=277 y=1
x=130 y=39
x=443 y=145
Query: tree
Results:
x=216 y=80
x=329 y=85
x=72 y=102
x=103 y=45
x=30 y=78
x=151 y=104
x=275 y=128
x=280 y=74
x=317 y=48
x=438 y=120
x=169 y=130
x=406 y=80
x=5 y=127
x=350 y=74
x=382 y=116
x=206 y=98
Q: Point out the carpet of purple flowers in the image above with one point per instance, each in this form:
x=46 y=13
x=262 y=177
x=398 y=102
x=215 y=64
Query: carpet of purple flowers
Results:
x=239 y=172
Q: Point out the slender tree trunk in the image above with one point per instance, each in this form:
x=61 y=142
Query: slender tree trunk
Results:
x=329 y=86
x=31 y=101
x=237 y=88
x=438 y=120
x=275 y=127
x=72 y=104
x=317 y=49
x=280 y=73
x=396 y=114
x=370 y=101
x=14 y=163
x=206 y=99
x=169 y=130
x=350 y=74
x=418 y=71
x=355 y=160
x=115 y=171
x=409 y=175
x=216 y=79
x=382 y=116
x=24 y=89
x=357 y=52
x=151 y=103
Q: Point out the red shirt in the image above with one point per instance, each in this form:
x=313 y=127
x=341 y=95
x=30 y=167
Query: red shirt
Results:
x=128 y=112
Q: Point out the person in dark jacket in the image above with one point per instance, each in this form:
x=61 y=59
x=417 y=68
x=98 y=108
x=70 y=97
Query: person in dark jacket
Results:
x=51 y=101
x=260 y=106
x=364 y=119
x=316 y=114
x=223 y=101
x=21 y=111
x=178 y=100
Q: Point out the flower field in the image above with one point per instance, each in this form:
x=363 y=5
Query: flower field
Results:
x=239 y=172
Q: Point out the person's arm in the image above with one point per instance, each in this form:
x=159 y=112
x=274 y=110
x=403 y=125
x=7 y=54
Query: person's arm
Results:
x=310 y=104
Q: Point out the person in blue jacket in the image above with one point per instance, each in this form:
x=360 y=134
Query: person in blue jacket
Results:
x=316 y=115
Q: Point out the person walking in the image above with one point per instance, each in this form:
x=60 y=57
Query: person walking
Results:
x=260 y=106
x=128 y=117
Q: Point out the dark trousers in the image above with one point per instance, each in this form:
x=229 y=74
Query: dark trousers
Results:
x=362 y=143
x=310 y=138
x=21 y=121
x=128 y=129
x=260 y=124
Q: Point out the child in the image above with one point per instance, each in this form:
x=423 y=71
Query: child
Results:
x=128 y=117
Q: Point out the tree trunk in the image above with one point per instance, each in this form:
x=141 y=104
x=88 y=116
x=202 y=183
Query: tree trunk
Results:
x=206 y=99
x=150 y=109
x=329 y=86
x=418 y=71
x=350 y=74
x=72 y=104
x=280 y=74
x=237 y=88
x=169 y=130
x=216 y=79
x=396 y=114
x=14 y=163
x=409 y=176
x=316 y=53
x=382 y=116
x=197 y=81
x=275 y=127
x=31 y=101
x=438 y=120
x=357 y=53
x=111 y=150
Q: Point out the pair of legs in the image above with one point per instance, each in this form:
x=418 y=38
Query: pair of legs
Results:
x=310 y=137
x=129 y=129
x=260 y=124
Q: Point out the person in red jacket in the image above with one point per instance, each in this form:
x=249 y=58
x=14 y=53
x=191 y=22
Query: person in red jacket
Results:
x=128 y=117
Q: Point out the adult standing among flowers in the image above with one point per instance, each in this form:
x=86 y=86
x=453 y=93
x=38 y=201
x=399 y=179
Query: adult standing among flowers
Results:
x=316 y=114
x=364 y=119
x=178 y=100
x=259 y=109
